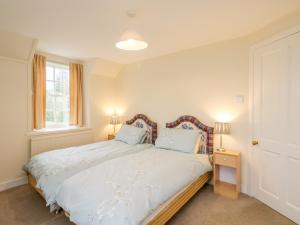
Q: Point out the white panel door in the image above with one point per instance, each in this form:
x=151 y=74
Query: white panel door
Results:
x=292 y=156
x=276 y=125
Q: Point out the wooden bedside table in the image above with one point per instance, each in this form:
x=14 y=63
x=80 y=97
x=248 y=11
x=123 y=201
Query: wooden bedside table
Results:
x=110 y=137
x=229 y=159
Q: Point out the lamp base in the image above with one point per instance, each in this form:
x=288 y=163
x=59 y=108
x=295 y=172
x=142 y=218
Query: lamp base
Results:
x=110 y=136
x=221 y=150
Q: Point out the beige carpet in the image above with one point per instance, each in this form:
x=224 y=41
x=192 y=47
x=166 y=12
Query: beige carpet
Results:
x=21 y=205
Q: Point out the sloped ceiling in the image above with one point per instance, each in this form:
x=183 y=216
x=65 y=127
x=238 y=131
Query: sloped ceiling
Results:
x=102 y=67
x=16 y=46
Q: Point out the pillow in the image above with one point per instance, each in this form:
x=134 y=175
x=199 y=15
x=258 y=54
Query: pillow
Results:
x=178 y=140
x=200 y=147
x=202 y=143
x=197 y=145
x=143 y=139
x=130 y=134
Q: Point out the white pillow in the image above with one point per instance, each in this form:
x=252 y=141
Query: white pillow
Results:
x=130 y=134
x=178 y=140
x=143 y=139
x=197 y=145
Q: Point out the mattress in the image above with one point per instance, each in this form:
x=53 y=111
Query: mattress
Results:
x=130 y=189
x=51 y=168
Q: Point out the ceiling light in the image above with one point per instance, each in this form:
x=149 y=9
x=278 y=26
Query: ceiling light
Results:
x=130 y=39
x=131 y=44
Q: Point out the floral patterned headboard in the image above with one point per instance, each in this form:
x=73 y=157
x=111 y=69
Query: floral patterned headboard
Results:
x=190 y=122
x=143 y=121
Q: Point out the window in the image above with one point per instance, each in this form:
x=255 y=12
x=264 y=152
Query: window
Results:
x=57 y=95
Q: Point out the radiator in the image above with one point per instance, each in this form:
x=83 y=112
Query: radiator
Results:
x=46 y=141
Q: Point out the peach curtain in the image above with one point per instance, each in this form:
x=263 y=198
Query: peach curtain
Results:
x=76 y=84
x=39 y=91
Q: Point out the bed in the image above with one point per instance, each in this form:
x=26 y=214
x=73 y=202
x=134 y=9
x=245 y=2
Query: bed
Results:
x=139 y=188
x=47 y=171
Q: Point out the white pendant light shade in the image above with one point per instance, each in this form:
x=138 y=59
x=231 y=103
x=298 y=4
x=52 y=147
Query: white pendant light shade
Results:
x=131 y=45
x=131 y=41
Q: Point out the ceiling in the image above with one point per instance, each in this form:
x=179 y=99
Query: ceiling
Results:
x=85 y=29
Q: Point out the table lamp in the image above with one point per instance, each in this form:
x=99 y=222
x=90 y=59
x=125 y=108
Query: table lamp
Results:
x=222 y=128
x=114 y=120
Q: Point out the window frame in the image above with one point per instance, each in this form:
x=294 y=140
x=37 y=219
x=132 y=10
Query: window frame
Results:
x=57 y=125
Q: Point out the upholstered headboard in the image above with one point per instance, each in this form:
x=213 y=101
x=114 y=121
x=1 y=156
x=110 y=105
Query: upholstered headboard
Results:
x=190 y=122
x=143 y=121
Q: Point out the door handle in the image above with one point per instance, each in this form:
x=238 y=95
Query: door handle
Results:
x=254 y=142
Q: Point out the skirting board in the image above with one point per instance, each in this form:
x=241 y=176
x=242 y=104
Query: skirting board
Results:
x=13 y=183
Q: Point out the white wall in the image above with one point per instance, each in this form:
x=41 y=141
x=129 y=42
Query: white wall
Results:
x=13 y=119
x=99 y=92
x=102 y=100
x=15 y=54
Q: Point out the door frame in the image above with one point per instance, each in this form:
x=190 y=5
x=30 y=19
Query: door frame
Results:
x=253 y=48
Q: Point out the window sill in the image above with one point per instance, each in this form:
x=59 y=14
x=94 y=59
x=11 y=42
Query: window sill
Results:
x=67 y=130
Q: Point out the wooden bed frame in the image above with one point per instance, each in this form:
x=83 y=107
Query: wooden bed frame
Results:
x=32 y=182
x=165 y=213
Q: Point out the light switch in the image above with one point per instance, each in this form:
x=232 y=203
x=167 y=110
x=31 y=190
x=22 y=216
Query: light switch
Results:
x=239 y=99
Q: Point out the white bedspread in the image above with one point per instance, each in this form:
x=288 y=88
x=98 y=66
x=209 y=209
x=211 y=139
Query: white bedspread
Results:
x=51 y=168
x=124 y=191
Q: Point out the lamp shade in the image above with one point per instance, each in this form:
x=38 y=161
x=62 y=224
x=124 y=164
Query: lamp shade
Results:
x=222 y=128
x=131 y=41
x=114 y=120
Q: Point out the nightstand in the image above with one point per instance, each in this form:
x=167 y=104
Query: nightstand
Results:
x=228 y=159
x=110 y=137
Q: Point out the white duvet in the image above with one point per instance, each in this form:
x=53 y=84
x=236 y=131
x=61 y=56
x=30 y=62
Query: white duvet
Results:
x=51 y=168
x=126 y=190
